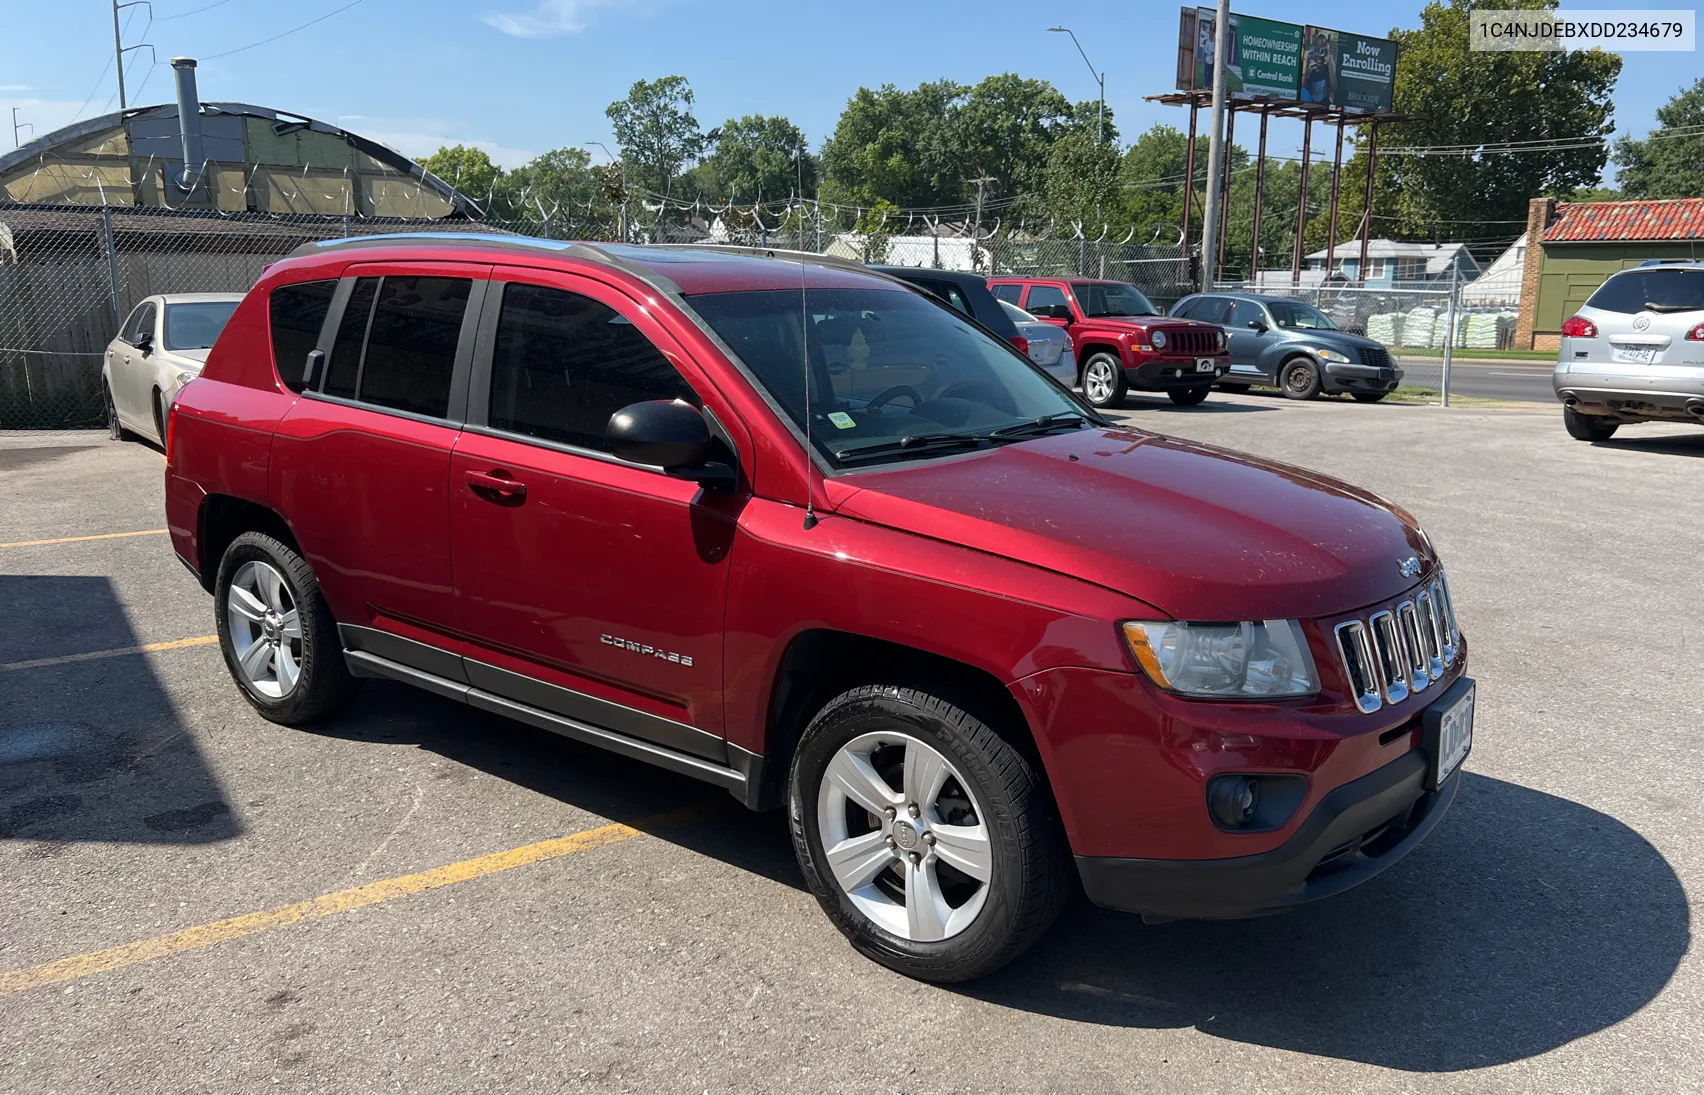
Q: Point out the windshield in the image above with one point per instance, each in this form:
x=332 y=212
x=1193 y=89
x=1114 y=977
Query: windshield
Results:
x=1018 y=314
x=1295 y=315
x=1113 y=300
x=892 y=376
x=195 y=326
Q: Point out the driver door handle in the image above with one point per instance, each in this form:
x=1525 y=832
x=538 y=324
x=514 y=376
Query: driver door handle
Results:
x=496 y=486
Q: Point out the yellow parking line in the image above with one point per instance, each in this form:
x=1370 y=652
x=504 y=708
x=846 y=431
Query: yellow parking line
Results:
x=80 y=539
x=220 y=931
x=94 y=655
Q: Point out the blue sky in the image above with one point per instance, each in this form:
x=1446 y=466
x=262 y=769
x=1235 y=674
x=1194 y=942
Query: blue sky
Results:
x=518 y=77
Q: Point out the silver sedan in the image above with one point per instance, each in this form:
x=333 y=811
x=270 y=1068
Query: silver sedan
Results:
x=1049 y=344
x=160 y=348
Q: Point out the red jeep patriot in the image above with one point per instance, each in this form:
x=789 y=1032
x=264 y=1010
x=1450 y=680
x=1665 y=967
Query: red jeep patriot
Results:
x=1122 y=341
x=796 y=529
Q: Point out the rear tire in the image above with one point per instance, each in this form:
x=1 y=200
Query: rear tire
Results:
x=1368 y=397
x=1299 y=378
x=1103 y=381
x=115 y=429
x=278 y=636
x=980 y=805
x=1588 y=427
x=1188 y=397
x=159 y=419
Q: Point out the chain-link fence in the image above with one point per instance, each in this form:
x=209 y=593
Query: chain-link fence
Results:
x=69 y=274
x=1414 y=320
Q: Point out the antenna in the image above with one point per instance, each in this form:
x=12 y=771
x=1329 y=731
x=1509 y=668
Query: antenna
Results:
x=805 y=357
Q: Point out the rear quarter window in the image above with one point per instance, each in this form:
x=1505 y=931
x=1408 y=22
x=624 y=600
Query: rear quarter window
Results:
x=1655 y=290
x=296 y=313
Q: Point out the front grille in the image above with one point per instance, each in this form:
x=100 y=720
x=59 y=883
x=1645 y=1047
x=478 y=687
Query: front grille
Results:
x=1191 y=340
x=1402 y=650
x=1378 y=357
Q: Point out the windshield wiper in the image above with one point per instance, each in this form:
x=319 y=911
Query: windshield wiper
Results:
x=912 y=443
x=1651 y=307
x=1038 y=426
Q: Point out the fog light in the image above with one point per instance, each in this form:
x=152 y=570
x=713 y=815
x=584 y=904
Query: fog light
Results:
x=1233 y=800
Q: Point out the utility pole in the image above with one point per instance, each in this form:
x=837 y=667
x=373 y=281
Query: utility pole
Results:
x=17 y=125
x=1216 y=144
x=976 y=228
x=118 y=54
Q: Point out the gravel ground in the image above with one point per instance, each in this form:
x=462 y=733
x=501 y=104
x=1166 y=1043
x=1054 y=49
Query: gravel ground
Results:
x=1538 y=942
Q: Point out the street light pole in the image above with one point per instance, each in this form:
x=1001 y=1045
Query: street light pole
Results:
x=1100 y=136
x=616 y=159
x=1216 y=145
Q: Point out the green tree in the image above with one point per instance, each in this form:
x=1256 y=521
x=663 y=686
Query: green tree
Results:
x=559 y=179
x=1150 y=177
x=467 y=169
x=758 y=158
x=1460 y=97
x=656 y=130
x=1669 y=163
x=898 y=146
x=1082 y=182
x=1005 y=129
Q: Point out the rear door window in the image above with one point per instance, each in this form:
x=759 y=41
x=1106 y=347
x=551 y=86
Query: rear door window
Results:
x=1012 y=294
x=563 y=363
x=1652 y=290
x=948 y=292
x=396 y=345
x=1245 y=312
x=1042 y=297
x=1212 y=310
x=296 y=314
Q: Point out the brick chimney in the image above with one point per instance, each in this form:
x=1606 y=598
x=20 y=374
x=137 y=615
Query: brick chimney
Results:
x=1540 y=213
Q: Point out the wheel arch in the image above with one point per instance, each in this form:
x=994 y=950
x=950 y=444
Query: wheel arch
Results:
x=221 y=519
x=1090 y=349
x=821 y=663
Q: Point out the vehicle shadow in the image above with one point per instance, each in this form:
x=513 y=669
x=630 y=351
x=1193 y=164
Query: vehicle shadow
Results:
x=92 y=750
x=1664 y=445
x=1525 y=922
x=1139 y=401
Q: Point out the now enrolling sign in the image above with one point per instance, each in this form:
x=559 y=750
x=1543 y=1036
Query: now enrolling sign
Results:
x=1647 y=30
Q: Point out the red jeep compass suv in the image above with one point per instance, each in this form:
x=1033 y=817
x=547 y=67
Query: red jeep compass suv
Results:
x=793 y=528
x=1123 y=342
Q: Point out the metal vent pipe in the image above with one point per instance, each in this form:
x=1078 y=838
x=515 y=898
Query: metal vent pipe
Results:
x=189 y=123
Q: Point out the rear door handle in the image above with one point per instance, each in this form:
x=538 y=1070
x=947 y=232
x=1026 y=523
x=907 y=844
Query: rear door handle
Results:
x=496 y=486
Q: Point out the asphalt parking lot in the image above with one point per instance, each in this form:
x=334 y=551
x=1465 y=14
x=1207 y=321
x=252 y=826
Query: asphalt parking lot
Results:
x=419 y=897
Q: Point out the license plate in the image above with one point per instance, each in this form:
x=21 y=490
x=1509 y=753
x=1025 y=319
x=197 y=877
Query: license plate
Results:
x=1632 y=355
x=1449 y=736
x=1205 y=365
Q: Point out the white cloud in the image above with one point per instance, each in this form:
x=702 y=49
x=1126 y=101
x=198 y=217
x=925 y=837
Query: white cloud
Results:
x=16 y=87
x=551 y=17
x=418 y=141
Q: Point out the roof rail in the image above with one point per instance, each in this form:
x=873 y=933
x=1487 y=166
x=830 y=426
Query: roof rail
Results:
x=814 y=258
x=1666 y=262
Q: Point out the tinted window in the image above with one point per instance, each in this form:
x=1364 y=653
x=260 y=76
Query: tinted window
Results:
x=1045 y=296
x=1212 y=310
x=564 y=363
x=1654 y=290
x=1114 y=300
x=345 y=366
x=884 y=366
x=1183 y=308
x=195 y=326
x=950 y=293
x=141 y=324
x=1245 y=312
x=297 y=313
x=411 y=344
x=1009 y=293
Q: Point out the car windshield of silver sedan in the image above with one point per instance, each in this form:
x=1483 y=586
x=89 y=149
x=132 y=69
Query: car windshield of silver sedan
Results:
x=1293 y=315
x=891 y=376
x=195 y=325
x=1114 y=300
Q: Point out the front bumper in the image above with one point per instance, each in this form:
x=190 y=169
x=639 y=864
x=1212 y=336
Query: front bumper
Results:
x=1354 y=832
x=1164 y=373
x=1352 y=377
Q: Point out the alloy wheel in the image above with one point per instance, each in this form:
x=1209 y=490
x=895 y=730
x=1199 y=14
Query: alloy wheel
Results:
x=904 y=837
x=1098 y=382
x=265 y=629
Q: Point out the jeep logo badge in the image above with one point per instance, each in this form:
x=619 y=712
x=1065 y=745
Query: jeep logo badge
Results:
x=1409 y=567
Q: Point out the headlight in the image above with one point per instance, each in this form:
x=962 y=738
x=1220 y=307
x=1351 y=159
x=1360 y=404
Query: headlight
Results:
x=1219 y=339
x=1159 y=340
x=185 y=377
x=1240 y=660
x=1332 y=355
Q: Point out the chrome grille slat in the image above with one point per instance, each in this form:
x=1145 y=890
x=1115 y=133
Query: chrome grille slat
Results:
x=1402 y=650
x=1387 y=651
x=1357 y=654
x=1419 y=666
x=1431 y=635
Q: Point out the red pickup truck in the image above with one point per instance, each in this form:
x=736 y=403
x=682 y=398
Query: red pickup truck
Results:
x=1123 y=342
x=790 y=527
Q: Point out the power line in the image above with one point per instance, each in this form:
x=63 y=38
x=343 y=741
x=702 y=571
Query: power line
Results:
x=197 y=11
x=284 y=34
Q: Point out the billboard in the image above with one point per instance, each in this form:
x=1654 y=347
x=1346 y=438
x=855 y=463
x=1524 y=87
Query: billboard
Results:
x=1348 y=71
x=1263 y=56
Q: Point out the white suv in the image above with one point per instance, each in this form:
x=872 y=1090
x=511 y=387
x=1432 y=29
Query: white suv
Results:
x=1635 y=351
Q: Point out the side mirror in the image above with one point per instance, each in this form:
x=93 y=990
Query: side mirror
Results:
x=145 y=345
x=668 y=434
x=1257 y=325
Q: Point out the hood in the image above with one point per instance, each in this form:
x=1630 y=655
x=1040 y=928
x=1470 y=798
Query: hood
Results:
x=189 y=359
x=1147 y=321
x=1199 y=532
x=1336 y=340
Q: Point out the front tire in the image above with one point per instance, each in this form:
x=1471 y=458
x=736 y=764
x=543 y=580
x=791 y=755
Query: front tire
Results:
x=1588 y=427
x=928 y=839
x=278 y=636
x=1188 y=397
x=1103 y=382
x=115 y=428
x=1299 y=379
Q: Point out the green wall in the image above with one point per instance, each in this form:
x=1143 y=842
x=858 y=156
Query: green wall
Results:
x=1572 y=272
